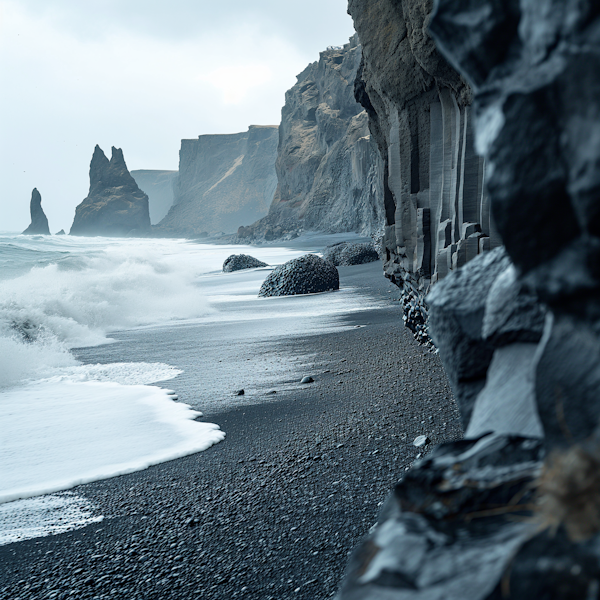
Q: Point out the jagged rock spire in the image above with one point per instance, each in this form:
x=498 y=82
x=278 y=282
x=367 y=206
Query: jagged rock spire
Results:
x=39 y=222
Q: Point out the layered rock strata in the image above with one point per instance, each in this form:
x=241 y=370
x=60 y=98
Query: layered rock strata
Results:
x=224 y=182
x=437 y=212
x=159 y=187
x=115 y=205
x=512 y=511
x=329 y=173
x=39 y=221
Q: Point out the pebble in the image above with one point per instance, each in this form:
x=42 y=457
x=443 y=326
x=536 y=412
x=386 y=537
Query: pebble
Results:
x=421 y=441
x=307 y=379
x=240 y=393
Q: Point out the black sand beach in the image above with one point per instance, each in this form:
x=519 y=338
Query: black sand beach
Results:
x=273 y=511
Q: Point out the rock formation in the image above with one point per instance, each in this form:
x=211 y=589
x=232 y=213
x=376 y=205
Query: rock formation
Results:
x=239 y=262
x=329 y=172
x=115 y=205
x=39 y=222
x=308 y=274
x=159 y=187
x=437 y=212
x=225 y=181
x=344 y=254
x=513 y=510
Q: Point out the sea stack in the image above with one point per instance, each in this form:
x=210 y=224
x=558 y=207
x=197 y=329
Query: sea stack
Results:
x=115 y=205
x=39 y=222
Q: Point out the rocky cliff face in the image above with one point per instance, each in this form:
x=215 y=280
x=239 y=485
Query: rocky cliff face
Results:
x=115 y=205
x=225 y=181
x=512 y=510
x=329 y=172
x=437 y=211
x=39 y=222
x=159 y=187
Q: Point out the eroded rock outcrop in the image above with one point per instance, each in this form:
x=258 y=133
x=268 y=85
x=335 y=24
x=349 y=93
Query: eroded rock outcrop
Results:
x=328 y=169
x=39 y=221
x=513 y=510
x=225 y=181
x=115 y=205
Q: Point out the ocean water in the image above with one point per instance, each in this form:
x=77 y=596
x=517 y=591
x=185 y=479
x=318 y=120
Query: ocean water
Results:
x=64 y=421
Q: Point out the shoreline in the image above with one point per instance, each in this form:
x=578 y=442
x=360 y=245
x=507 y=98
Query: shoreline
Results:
x=272 y=511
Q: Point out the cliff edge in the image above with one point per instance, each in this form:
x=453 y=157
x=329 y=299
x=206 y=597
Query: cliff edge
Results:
x=225 y=181
x=329 y=173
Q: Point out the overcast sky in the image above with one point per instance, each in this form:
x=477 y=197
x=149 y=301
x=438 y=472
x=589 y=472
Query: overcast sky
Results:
x=139 y=75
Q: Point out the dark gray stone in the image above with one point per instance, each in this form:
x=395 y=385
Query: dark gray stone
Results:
x=456 y=313
x=512 y=313
x=308 y=274
x=507 y=403
x=39 y=222
x=426 y=546
x=239 y=262
x=115 y=205
x=307 y=379
x=345 y=254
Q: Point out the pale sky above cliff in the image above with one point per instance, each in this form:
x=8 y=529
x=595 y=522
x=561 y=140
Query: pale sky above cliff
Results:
x=140 y=75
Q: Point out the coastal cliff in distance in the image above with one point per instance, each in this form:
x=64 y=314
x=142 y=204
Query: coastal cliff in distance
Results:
x=39 y=222
x=225 y=181
x=115 y=205
x=159 y=187
x=329 y=172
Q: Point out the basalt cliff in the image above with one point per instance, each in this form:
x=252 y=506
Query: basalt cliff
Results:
x=512 y=511
x=225 y=181
x=115 y=205
x=329 y=172
x=39 y=221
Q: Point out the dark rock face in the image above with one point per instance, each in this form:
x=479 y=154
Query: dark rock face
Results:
x=329 y=172
x=225 y=182
x=308 y=274
x=39 y=222
x=437 y=214
x=518 y=330
x=346 y=254
x=159 y=187
x=238 y=262
x=115 y=205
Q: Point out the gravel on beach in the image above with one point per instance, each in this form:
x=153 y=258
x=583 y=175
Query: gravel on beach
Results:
x=274 y=510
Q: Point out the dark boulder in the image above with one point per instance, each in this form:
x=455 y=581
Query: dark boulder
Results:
x=308 y=274
x=239 y=262
x=346 y=254
x=39 y=222
x=115 y=205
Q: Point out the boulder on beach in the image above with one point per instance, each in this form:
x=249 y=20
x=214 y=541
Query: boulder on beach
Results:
x=345 y=254
x=239 y=262
x=307 y=274
x=39 y=222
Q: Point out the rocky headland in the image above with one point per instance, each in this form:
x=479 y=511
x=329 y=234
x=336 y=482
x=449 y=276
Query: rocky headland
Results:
x=115 y=205
x=159 y=186
x=39 y=221
x=329 y=173
x=224 y=182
